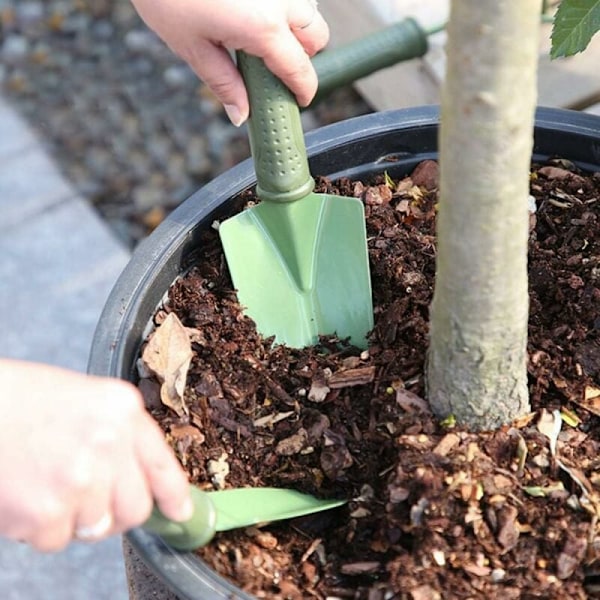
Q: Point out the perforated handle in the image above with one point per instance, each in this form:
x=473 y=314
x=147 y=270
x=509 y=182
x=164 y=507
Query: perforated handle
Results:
x=344 y=64
x=276 y=137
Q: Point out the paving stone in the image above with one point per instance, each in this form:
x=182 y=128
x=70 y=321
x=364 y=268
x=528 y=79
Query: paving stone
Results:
x=29 y=184
x=59 y=262
x=561 y=83
x=16 y=134
x=57 y=271
x=81 y=572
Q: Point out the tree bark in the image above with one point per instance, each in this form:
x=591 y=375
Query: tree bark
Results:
x=477 y=367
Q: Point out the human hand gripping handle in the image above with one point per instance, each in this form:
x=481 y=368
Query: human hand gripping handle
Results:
x=80 y=458
x=284 y=33
x=191 y=534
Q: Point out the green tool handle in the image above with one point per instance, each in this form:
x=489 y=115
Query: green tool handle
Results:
x=189 y=535
x=276 y=136
x=344 y=64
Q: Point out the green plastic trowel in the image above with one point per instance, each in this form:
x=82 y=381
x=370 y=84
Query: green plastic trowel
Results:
x=298 y=259
x=231 y=509
x=344 y=64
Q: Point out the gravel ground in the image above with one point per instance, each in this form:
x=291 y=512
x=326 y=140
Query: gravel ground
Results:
x=128 y=122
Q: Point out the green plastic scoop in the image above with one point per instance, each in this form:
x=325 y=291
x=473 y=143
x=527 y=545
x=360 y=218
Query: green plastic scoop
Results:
x=231 y=509
x=298 y=259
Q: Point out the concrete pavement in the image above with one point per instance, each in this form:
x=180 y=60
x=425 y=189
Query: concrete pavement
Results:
x=58 y=262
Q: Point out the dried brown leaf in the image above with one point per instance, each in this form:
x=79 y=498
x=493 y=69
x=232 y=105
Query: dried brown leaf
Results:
x=591 y=393
x=523 y=421
x=168 y=355
x=590 y=400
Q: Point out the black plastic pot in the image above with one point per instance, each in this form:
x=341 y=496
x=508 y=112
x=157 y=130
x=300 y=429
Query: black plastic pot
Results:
x=394 y=141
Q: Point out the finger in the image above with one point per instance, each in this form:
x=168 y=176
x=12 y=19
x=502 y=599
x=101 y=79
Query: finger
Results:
x=287 y=59
x=53 y=537
x=132 y=498
x=168 y=482
x=215 y=67
x=51 y=528
x=312 y=33
x=300 y=13
x=94 y=519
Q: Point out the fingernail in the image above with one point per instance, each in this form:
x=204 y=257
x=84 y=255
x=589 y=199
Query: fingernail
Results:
x=234 y=114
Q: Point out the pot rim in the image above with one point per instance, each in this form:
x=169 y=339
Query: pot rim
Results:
x=185 y=573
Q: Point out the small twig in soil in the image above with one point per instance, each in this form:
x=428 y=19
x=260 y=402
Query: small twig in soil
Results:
x=351 y=377
x=313 y=546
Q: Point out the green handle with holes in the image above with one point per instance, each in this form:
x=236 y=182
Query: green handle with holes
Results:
x=346 y=63
x=276 y=136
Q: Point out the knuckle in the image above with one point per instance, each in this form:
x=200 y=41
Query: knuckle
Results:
x=297 y=71
x=79 y=477
x=125 y=396
x=312 y=46
x=222 y=87
x=265 y=22
x=50 y=511
x=104 y=440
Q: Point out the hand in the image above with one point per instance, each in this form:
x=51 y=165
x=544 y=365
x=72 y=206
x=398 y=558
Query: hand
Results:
x=284 y=33
x=79 y=452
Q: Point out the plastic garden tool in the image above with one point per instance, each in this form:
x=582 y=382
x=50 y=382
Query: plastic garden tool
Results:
x=231 y=509
x=298 y=259
x=346 y=63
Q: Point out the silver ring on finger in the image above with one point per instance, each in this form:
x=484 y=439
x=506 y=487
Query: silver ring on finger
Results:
x=314 y=6
x=96 y=531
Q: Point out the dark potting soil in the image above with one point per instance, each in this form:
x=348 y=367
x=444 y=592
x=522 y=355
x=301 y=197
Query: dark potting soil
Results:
x=434 y=511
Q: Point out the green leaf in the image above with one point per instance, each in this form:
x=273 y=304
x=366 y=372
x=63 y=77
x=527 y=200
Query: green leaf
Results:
x=448 y=422
x=389 y=182
x=575 y=24
x=570 y=417
x=535 y=491
x=542 y=492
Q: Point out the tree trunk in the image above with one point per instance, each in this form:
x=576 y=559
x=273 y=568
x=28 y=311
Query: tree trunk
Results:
x=477 y=357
